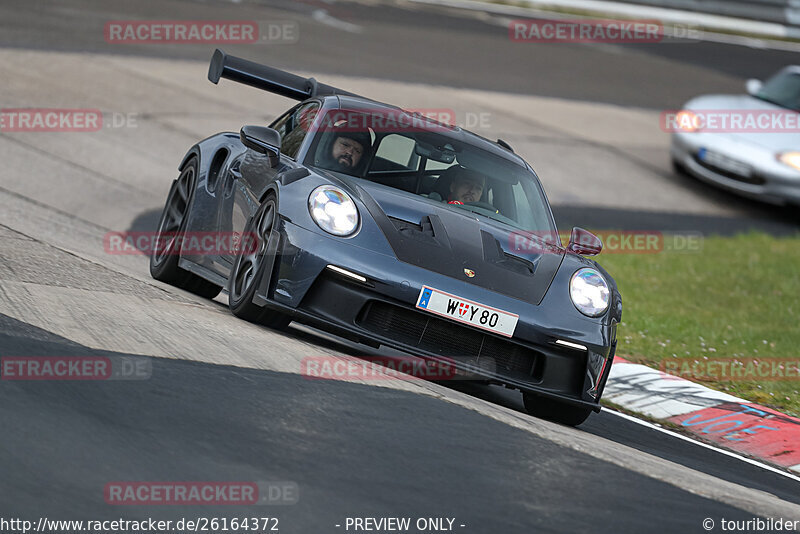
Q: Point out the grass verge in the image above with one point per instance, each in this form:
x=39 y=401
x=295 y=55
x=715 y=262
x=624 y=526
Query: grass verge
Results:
x=737 y=300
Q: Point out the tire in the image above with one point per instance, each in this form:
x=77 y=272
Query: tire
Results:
x=678 y=168
x=249 y=269
x=559 y=412
x=164 y=260
x=200 y=286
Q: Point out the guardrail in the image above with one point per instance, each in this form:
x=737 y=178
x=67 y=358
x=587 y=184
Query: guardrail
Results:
x=780 y=11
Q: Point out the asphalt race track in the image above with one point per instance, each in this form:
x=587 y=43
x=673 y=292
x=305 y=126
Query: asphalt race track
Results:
x=225 y=400
x=344 y=445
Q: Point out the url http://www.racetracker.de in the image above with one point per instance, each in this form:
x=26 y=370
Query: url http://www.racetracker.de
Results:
x=195 y=524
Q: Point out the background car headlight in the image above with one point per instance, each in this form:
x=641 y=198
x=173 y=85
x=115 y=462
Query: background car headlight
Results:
x=687 y=121
x=333 y=210
x=792 y=159
x=589 y=292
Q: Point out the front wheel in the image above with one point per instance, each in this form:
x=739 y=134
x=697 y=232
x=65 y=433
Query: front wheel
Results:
x=251 y=266
x=679 y=168
x=552 y=410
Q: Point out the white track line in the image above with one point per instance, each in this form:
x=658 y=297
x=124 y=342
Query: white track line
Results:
x=686 y=19
x=322 y=16
x=705 y=445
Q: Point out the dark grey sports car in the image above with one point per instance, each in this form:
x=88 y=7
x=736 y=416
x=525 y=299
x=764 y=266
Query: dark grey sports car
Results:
x=389 y=228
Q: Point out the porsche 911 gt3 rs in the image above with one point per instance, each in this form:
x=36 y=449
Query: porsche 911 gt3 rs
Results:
x=389 y=228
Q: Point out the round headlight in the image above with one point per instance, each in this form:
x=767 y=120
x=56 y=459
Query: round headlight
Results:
x=589 y=292
x=687 y=121
x=333 y=210
x=792 y=159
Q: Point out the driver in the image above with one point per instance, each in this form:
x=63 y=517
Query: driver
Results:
x=467 y=186
x=347 y=150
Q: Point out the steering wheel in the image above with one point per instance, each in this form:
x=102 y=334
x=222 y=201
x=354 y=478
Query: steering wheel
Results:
x=484 y=205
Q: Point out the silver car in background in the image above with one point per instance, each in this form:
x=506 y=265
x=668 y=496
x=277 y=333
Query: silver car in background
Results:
x=748 y=144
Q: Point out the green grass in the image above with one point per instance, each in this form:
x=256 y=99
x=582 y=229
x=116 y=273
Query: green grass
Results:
x=737 y=298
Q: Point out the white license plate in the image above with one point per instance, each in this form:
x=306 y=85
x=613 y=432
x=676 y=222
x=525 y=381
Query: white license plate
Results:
x=725 y=163
x=467 y=311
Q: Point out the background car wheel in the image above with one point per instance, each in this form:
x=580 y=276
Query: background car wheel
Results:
x=551 y=410
x=250 y=267
x=164 y=260
x=678 y=168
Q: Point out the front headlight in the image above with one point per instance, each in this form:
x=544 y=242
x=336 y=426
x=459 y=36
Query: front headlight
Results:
x=687 y=121
x=333 y=210
x=589 y=292
x=792 y=159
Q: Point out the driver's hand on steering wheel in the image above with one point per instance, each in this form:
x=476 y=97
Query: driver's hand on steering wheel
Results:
x=478 y=204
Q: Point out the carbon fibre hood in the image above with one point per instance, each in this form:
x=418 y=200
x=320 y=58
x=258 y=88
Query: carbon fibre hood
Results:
x=455 y=243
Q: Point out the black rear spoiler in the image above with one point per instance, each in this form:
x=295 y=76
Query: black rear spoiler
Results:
x=267 y=78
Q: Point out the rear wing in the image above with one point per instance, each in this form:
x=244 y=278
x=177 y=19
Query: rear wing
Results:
x=268 y=78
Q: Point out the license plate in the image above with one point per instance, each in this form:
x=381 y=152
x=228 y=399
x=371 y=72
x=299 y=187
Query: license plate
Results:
x=724 y=163
x=467 y=311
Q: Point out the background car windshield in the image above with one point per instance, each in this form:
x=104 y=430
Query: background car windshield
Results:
x=782 y=89
x=430 y=160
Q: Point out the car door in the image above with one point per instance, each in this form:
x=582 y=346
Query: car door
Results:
x=251 y=174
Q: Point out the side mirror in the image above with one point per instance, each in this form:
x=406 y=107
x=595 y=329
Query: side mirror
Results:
x=753 y=86
x=264 y=141
x=584 y=242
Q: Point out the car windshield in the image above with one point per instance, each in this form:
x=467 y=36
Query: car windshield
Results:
x=435 y=161
x=783 y=89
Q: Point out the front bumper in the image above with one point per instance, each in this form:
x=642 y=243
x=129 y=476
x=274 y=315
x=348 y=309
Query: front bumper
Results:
x=770 y=181
x=382 y=310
